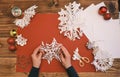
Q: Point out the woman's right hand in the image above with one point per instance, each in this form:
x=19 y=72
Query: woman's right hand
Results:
x=65 y=57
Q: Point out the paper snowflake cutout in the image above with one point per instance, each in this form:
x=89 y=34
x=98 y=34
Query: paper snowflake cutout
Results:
x=71 y=21
x=76 y=55
x=21 y=40
x=102 y=60
x=28 y=14
x=90 y=45
x=51 y=50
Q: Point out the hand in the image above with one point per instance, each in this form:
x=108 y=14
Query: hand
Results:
x=65 y=57
x=36 y=57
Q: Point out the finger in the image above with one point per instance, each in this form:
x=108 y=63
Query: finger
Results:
x=35 y=52
x=40 y=55
x=65 y=51
x=62 y=57
x=60 y=45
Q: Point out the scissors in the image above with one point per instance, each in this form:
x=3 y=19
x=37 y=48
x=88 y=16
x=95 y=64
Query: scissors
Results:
x=85 y=59
x=81 y=59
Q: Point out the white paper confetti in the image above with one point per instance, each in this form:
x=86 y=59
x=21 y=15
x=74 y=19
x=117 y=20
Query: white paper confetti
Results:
x=90 y=45
x=71 y=21
x=51 y=51
x=28 y=14
x=21 y=40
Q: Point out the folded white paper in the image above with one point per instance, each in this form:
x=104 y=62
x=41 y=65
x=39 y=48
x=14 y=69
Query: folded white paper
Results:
x=105 y=32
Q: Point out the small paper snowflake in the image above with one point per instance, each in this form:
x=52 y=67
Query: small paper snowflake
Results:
x=71 y=21
x=51 y=50
x=28 y=14
x=76 y=55
x=91 y=45
x=102 y=60
x=21 y=40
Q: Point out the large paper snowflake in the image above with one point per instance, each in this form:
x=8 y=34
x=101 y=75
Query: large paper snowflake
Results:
x=102 y=59
x=51 y=50
x=28 y=14
x=21 y=40
x=71 y=21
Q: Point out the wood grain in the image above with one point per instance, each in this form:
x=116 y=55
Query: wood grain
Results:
x=7 y=69
x=8 y=59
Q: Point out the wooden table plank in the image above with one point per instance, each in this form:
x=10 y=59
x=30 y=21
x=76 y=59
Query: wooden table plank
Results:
x=7 y=69
x=4 y=52
x=5 y=7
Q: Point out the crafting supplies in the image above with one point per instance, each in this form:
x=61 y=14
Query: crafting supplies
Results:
x=39 y=31
x=82 y=60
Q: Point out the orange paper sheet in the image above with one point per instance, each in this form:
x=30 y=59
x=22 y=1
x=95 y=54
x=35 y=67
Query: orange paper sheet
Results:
x=44 y=27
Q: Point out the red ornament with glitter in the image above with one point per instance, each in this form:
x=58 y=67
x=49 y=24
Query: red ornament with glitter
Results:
x=12 y=48
x=107 y=16
x=102 y=10
x=11 y=41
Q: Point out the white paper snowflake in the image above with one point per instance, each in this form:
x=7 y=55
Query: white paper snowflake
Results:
x=102 y=60
x=71 y=21
x=21 y=40
x=51 y=50
x=76 y=55
x=28 y=14
x=91 y=45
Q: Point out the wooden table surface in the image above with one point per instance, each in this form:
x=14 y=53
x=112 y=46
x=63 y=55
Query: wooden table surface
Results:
x=8 y=58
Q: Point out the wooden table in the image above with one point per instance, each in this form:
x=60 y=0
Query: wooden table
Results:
x=8 y=58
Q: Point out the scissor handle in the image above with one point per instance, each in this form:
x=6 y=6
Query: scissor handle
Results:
x=85 y=59
x=81 y=63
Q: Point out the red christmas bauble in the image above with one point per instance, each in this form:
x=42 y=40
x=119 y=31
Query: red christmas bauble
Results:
x=11 y=41
x=12 y=48
x=107 y=16
x=102 y=10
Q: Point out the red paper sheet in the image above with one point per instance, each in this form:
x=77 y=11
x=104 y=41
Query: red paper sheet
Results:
x=44 y=27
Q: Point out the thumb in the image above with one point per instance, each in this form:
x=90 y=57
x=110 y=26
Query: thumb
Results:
x=40 y=55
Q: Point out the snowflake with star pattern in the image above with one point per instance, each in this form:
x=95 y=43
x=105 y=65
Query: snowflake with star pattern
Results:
x=71 y=21
x=51 y=51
